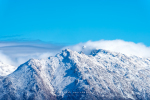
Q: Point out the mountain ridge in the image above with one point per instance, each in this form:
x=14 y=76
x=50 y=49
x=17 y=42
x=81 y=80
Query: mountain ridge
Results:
x=102 y=75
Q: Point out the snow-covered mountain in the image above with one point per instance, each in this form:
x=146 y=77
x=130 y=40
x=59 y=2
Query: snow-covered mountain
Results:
x=102 y=75
x=6 y=69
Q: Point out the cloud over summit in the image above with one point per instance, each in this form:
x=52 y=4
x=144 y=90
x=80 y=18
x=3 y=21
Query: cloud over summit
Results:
x=16 y=53
x=128 y=48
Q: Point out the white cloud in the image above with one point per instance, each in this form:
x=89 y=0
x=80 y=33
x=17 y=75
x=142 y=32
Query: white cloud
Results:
x=128 y=48
x=4 y=58
x=16 y=53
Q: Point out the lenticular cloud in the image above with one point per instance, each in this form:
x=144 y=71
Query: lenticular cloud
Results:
x=16 y=53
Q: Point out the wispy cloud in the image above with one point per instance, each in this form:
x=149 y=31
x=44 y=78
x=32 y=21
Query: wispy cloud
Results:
x=10 y=36
x=16 y=53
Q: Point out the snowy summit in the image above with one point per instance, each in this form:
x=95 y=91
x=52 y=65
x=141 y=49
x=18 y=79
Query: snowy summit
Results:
x=102 y=75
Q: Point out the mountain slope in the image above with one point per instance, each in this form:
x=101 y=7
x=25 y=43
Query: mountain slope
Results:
x=6 y=69
x=102 y=75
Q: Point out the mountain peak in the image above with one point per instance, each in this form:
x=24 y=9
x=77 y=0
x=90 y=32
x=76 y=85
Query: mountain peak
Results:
x=77 y=76
x=66 y=52
x=94 y=52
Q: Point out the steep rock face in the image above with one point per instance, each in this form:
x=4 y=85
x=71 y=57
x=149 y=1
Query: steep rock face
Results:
x=102 y=75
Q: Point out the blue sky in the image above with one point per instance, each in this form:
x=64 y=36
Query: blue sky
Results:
x=75 y=21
